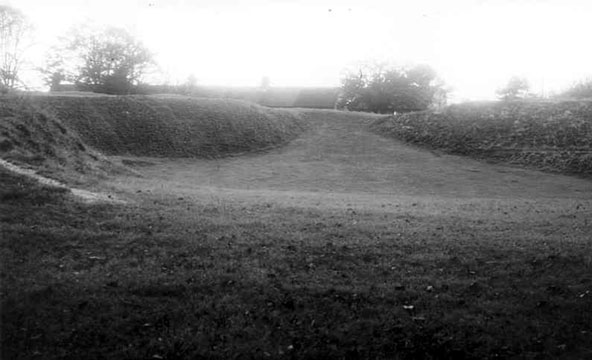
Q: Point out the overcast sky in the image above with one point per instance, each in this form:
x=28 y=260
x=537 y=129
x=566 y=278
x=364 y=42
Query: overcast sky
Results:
x=475 y=45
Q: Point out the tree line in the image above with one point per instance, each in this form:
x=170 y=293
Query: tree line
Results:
x=107 y=60
x=110 y=60
x=384 y=88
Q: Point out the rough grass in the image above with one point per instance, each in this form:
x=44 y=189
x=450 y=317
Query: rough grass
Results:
x=173 y=126
x=169 y=278
x=551 y=135
x=31 y=136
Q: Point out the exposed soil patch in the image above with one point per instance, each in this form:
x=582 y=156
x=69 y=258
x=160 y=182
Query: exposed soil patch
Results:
x=85 y=195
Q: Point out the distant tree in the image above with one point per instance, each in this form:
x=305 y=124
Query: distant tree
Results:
x=385 y=89
x=14 y=30
x=106 y=60
x=516 y=88
x=579 y=90
x=265 y=83
x=189 y=86
x=54 y=72
x=191 y=81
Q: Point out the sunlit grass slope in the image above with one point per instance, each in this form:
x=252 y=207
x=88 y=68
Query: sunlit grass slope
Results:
x=173 y=126
x=550 y=135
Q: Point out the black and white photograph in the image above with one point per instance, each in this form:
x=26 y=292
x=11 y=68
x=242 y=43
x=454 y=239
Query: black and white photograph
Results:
x=295 y=179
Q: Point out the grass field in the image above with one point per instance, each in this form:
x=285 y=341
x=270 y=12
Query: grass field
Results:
x=341 y=244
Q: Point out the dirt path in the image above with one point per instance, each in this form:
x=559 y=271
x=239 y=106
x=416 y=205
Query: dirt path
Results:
x=339 y=161
x=84 y=195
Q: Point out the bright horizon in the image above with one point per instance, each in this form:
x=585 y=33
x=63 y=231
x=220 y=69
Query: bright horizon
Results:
x=475 y=46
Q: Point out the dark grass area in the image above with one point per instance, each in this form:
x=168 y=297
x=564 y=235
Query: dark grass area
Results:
x=550 y=135
x=169 y=278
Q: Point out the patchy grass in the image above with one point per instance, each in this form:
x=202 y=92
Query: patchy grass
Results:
x=172 y=278
x=551 y=135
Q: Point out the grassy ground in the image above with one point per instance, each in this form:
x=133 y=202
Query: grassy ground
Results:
x=551 y=135
x=173 y=278
x=341 y=245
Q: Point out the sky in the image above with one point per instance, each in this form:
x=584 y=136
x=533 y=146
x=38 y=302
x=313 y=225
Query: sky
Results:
x=474 y=45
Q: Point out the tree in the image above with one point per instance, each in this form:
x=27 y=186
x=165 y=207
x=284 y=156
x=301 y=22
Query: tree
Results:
x=579 y=90
x=265 y=83
x=516 y=88
x=106 y=60
x=14 y=29
x=189 y=87
x=385 y=89
x=54 y=72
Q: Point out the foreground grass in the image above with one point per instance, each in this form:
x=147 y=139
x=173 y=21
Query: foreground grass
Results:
x=169 y=278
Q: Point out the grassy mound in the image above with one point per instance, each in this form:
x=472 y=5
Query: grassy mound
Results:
x=554 y=136
x=32 y=136
x=173 y=126
x=73 y=133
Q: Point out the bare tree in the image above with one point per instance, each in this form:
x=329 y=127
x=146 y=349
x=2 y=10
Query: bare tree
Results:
x=14 y=28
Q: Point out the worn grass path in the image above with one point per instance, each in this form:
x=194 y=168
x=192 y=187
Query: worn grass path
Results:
x=340 y=162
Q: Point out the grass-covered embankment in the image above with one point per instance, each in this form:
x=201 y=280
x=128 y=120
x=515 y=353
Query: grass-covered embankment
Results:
x=173 y=126
x=555 y=136
x=30 y=135
x=75 y=131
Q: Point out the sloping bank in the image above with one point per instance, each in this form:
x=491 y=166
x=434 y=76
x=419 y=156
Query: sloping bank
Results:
x=75 y=131
x=554 y=136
